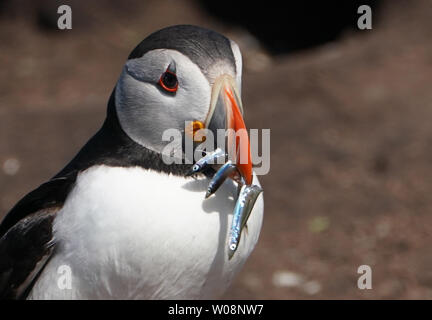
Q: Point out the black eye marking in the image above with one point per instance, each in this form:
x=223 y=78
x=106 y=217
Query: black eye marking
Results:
x=168 y=81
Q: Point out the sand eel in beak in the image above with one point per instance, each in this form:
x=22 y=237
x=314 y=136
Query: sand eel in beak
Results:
x=119 y=221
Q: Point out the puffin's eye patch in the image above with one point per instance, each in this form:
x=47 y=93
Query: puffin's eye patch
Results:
x=168 y=81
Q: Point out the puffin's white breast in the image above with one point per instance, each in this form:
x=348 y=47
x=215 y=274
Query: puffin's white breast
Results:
x=131 y=233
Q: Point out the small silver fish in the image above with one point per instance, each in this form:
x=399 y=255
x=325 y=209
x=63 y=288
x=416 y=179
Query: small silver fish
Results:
x=247 y=194
x=209 y=159
x=243 y=208
x=227 y=170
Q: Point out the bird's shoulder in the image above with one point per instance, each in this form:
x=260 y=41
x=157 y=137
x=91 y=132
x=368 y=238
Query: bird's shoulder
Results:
x=50 y=194
x=26 y=237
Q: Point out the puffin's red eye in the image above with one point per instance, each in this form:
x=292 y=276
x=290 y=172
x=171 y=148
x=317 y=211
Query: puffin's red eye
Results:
x=168 y=81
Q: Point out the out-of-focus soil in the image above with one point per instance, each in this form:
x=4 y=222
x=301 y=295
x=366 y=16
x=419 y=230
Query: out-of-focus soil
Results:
x=351 y=135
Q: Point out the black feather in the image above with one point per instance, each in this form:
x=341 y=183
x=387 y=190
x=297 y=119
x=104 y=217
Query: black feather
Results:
x=203 y=46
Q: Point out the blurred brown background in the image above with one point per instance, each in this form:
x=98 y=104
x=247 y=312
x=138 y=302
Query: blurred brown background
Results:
x=350 y=115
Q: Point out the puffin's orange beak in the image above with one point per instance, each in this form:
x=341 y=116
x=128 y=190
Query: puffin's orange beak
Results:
x=241 y=141
x=226 y=113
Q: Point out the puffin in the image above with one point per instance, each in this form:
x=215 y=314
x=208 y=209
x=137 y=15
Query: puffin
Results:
x=119 y=221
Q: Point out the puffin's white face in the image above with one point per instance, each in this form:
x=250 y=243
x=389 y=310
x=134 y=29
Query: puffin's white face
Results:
x=146 y=107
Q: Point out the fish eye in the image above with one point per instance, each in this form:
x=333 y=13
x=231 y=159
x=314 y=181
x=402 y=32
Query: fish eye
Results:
x=168 y=81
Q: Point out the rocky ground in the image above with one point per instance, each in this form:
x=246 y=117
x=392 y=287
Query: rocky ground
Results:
x=350 y=177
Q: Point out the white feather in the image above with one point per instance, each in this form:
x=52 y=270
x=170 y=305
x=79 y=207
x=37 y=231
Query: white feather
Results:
x=130 y=233
x=239 y=64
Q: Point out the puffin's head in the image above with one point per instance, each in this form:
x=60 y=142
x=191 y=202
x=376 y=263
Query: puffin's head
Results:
x=181 y=74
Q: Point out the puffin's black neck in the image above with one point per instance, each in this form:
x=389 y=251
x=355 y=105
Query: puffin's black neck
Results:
x=111 y=146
